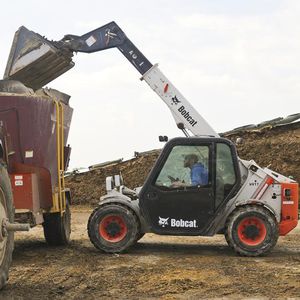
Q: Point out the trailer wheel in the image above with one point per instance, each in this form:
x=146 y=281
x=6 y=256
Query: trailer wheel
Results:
x=57 y=227
x=112 y=228
x=251 y=231
x=6 y=238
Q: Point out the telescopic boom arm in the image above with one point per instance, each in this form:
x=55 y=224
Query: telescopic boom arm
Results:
x=110 y=36
x=36 y=61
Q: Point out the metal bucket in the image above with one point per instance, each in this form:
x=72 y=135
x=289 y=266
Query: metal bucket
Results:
x=35 y=61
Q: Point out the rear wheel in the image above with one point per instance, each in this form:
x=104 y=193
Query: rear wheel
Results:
x=57 y=227
x=6 y=238
x=112 y=228
x=139 y=236
x=251 y=231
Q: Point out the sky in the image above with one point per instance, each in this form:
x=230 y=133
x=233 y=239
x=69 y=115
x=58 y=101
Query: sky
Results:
x=237 y=62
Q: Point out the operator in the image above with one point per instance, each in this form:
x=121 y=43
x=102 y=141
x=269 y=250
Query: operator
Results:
x=199 y=174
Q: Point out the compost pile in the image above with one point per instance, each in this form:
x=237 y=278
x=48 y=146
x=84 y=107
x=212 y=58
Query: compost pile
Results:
x=276 y=147
x=88 y=187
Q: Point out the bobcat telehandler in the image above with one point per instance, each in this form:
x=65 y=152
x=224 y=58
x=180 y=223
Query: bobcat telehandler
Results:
x=250 y=205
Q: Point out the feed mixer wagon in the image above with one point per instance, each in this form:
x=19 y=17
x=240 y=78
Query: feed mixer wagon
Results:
x=34 y=128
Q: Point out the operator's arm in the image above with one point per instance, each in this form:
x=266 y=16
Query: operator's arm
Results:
x=199 y=175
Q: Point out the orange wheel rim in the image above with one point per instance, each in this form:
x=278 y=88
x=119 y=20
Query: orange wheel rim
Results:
x=113 y=228
x=252 y=231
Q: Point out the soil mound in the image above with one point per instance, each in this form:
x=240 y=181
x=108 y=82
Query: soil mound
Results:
x=88 y=187
x=276 y=147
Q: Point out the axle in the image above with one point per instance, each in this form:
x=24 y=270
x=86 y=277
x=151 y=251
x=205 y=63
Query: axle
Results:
x=7 y=227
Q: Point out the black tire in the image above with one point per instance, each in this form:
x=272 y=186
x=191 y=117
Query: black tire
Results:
x=251 y=231
x=57 y=227
x=139 y=236
x=112 y=228
x=7 y=211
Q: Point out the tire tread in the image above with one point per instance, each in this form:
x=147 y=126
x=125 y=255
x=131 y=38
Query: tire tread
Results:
x=116 y=247
x=6 y=187
x=272 y=236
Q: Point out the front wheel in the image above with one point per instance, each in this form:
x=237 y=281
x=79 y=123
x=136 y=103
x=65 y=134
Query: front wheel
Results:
x=112 y=228
x=251 y=231
x=6 y=238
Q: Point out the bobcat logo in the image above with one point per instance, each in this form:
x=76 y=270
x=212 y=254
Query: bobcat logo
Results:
x=175 y=100
x=163 y=221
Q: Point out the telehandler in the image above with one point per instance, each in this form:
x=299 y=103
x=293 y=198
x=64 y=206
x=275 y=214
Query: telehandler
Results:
x=250 y=205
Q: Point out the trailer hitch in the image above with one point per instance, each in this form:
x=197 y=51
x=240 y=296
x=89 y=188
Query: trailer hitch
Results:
x=6 y=227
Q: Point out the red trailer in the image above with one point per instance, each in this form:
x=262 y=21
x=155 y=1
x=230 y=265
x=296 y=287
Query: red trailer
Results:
x=34 y=128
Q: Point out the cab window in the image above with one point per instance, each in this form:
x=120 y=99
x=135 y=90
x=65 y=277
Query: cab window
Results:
x=225 y=172
x=186 y=166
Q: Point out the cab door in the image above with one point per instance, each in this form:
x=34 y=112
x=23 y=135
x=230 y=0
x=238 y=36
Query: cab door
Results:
x=171 y=201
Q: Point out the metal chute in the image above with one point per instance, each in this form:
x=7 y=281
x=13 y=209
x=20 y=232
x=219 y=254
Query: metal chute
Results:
x=36 y=61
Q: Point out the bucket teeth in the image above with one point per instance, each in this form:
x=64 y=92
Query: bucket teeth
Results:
x=35 y=61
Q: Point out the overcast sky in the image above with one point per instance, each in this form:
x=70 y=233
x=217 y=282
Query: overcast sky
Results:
x=237 y=62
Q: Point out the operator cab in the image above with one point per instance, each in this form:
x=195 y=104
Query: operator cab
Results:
x=191 y=180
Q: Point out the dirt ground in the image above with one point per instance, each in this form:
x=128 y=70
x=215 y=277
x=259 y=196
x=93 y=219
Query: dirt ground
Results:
x=157 y=267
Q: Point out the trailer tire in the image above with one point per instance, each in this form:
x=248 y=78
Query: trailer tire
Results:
x=57 y=227
x=6 y=211
x=251 y=231
x=112 y=228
